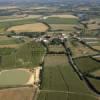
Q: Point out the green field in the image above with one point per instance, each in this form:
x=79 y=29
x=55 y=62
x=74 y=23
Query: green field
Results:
x=62 y=83
x=57 y=20
x=10 y=41
x=87 y=64
x=14 y=77
x=28 y=55
x=64 y=96
x=95 y=83
x=5 y=25
x=6 y=51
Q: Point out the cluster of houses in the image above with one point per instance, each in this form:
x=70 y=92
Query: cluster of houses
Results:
x=49 y=38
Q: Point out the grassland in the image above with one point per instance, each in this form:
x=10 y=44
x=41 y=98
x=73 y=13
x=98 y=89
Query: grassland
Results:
x=14 y=77
x=27 y=56
x=95 y=83
x=9 y=41
x=5 y=25
x=36 y=27
x=87 y=64
x=57 y=20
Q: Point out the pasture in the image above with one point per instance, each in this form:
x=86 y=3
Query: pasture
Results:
x=63 y=16
x=59 y=82
x=87 y=64
x=15 y=77
x=57 y=20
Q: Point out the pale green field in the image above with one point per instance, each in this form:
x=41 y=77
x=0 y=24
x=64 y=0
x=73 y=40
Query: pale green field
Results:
x=14 y=77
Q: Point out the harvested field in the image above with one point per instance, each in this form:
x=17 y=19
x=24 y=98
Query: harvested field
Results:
x=80 y=50
x=64 y=27
x=26 y=93
x=63 y=16
x=55 y=60
x=93 y=26
x=56 y=48
x=36 y=27
x=4 y=25
x=96 y=47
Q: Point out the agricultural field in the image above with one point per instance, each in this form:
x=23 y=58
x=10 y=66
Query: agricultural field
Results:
x=36 y=27
x=96 y=73
x=25 y=93
x=17 y=17
x=95 y=83
x=9 y=41
x=64 y=84
x=56 y=48
x=16 y=77
x=96 y=47
x=87 y=64
x=26 y=56
x=5 y=25
x=65 y=27
x=63 y=16
x=57 y=20
x=79 y=49
x=55 y=60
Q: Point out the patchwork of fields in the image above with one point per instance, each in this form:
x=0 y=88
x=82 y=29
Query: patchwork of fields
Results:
x=87 y=64
x=5 y=25
x=59 y=82
x=26 y=56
